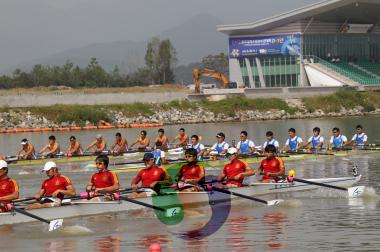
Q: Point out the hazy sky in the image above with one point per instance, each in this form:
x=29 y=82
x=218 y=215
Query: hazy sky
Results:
x=32 y=29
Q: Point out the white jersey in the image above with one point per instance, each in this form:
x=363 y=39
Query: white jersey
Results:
x=272 y=142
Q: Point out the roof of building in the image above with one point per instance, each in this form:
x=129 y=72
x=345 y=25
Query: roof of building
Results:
x=337 y=11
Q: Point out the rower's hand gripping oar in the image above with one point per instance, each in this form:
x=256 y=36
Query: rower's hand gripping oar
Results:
x=53 y=225
x=269 y=203
x=353 y=192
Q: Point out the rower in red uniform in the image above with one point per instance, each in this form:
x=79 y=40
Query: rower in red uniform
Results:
x=104 y=180
x=97 y=146
x=235 y=171
x=8 y=187
x=272 y=167
x=191 y=173
x=149 y=177
x=53 y=189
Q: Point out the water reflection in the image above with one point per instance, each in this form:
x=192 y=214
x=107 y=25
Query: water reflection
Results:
x=60 y=246
x=108 y=244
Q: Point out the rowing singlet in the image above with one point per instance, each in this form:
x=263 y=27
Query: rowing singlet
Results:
x=199 y=147
x=219 y=148
x=360 y=139
x=315 y=141
x=293 y=144
x=244 y=146
x=338 y=141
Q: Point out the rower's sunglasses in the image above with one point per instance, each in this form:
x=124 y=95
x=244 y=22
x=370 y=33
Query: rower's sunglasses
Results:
x=242 y=136
x=99 y=163
x=189 y=156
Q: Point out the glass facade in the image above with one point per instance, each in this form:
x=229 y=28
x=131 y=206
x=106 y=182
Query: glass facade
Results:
x=348 y=47
x=278 y=71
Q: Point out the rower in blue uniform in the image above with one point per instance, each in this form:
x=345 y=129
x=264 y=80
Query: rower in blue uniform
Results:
x=294 y=142
x=337 y=140
x=245 y=145
x=316 y=140
x=271 y=141
x=220 y=147
x=360 y=138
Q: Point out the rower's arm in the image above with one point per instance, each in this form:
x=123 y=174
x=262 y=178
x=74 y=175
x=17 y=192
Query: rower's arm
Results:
x=70 y=191
x=221 y=176
x=56 y=147
x=113 y=146
x=91 y=145
x=248 y=172
x=43 y=149
x=307 y=144
x=11 y=196
x=39 y=194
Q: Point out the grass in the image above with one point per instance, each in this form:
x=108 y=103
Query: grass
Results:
x=67 y=90
x=343 y=99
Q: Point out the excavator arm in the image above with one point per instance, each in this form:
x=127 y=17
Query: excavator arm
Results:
x=197 y=74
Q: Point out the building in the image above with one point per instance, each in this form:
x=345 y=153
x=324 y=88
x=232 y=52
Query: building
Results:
x=329 y=43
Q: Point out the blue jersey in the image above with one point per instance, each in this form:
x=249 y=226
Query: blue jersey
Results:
x=338 y=141
x=293 y=144
x=360 y=140
x=244 y=146
x=315 y=141
x=220 y=149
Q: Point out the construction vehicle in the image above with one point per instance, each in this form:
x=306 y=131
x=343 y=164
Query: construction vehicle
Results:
x=197 y=74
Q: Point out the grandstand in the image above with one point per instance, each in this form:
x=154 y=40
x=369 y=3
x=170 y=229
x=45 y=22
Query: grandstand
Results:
x=329 y=43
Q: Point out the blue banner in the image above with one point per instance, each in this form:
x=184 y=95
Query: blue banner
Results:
x=268 y=45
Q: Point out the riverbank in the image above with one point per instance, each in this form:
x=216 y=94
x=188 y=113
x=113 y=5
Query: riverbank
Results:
x=235 y=108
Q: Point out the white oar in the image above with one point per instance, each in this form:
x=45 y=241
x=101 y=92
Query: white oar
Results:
x=53 y=225
x=353 y=192
x=269 y=203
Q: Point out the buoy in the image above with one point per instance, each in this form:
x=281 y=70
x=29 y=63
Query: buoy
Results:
x=154 y=247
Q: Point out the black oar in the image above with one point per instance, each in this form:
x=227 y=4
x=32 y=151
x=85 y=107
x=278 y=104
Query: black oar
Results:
x=355 y=191
x=54 y=224
x=269 y=203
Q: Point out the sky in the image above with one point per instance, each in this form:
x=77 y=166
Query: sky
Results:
x=32 y=29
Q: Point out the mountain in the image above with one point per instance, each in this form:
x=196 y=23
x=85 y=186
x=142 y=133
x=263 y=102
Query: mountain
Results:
x=194 y=39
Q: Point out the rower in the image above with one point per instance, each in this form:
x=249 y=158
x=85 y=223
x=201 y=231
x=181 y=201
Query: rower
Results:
x=195 y=144
x=8 y=187
x=53 y=189
x=245 y=146
x=271 y=140
x=271 y=167
x=337 y=140
x=97 y=146
x=183 y=138
x=27 y=151
x=143 y=141
x=294 y=142
x=360 y=138
x=75 y=147
x=104 y=180
x=220 y=147
x=235 y=171
x=161 y=141
x=51 y=149
x=120 y=144
x=191 y=172
x=151 y=176
x=316 y=140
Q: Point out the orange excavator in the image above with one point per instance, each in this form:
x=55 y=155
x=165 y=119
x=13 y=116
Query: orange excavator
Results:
x=197 y=74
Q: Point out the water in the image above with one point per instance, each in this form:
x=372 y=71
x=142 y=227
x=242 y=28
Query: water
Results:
x=319 y=220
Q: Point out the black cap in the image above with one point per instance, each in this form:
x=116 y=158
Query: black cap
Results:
x=148 y=156
x=221 y=134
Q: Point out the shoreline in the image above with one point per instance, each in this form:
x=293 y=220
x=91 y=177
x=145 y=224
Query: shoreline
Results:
x=232 y=109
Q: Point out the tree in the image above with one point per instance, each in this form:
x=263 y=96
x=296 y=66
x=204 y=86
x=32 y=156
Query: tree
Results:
x=217 y=62
x=160 y=58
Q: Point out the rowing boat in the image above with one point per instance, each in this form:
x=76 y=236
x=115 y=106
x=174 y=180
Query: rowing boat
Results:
x=255 y=159
x=61 y=158
x=84 y=208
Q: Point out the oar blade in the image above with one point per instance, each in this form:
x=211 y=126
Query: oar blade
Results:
x=171 y=212
x=356 y=191
x=274 y=202
x=55 y=224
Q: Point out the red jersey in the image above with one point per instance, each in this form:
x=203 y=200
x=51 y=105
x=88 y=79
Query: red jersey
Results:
x=148 y=176
x=272 y=165
x=7 y=187
x=104 y=179
x=233 y=169
x=58 y=182
x=192 y=171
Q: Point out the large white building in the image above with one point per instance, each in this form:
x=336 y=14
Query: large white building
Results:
x=330 y=43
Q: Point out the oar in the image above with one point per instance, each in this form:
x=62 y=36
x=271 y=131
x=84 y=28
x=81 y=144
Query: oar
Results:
x=269 y=203
x=53 y=225
x=355 y=191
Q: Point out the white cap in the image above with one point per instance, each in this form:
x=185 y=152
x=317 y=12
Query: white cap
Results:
x=98 y=136
x=232 y=150
x=3 y=164
x=49 y=165
x=24 y=142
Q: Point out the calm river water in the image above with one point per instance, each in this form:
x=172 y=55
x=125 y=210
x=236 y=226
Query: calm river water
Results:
x=318 y=220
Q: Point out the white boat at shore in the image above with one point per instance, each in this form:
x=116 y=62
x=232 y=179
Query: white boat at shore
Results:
x=169 y=201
